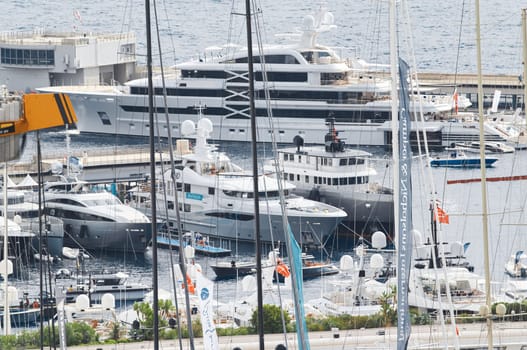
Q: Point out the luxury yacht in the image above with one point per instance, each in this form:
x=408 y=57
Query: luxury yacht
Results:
x=95 y=219
x=216 y=198
x=340 y=176
x=303 y=82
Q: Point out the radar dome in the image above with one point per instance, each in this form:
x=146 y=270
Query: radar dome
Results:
x=205 y=124
x=82 y=302
x=188 y=128
x=378 y=240
x=376 y=261
x=346 y=263
x=108 y=301
x=309 y=22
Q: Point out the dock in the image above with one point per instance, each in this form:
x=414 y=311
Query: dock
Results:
x=105 y=165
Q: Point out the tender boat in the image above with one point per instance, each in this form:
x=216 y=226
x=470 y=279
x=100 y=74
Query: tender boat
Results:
x=95 y=219
x=216 y=198
x=457 y=158
x=199 y=242
x=307 y=82
x=98 y=283
x=340 y=176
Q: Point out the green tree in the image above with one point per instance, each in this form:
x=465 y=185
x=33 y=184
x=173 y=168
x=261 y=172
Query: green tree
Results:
x=272 y=316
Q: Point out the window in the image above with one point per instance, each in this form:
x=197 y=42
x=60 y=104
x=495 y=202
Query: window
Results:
x=335 y=181
x=27 y=57
x=170 y=205
x=343 y=181
x=187 y=187
x=211 y=191
x=187 y=208
x=307 y=179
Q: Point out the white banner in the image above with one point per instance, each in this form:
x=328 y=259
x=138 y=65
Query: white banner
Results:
x=205 y=291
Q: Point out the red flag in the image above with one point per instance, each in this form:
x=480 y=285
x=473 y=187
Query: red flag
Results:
x=441 y=216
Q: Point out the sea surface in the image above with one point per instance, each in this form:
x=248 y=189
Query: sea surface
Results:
x=442 y=32
x=443 y=40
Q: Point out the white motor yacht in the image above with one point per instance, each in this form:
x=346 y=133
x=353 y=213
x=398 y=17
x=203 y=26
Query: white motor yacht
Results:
x=340 y=176
x=304 y=82
x=95 y=219
x=216 y=198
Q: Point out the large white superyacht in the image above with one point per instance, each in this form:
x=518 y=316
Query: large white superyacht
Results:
x=301 y=85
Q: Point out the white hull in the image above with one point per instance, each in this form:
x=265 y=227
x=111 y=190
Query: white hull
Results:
x=124 y=114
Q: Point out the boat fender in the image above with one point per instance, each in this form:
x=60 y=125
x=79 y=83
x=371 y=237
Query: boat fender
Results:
x=282 y=269
x=191 y=287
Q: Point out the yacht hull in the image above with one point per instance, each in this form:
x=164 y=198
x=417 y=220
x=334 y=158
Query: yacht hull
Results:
x=124 y=114
x=107 y=236
x=237 y=227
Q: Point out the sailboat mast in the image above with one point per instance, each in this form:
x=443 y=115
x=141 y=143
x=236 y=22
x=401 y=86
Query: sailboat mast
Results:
x=254 y=150
x=524 y=37
x=483 y=181
x=155 y=306
x=7 y=317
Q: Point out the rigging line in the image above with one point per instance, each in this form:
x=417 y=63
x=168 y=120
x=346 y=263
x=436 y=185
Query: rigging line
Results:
x=285 y=225
x=176 y=204
x=459 y=43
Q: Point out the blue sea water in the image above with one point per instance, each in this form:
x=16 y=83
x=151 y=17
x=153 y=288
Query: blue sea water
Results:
x=444 y=41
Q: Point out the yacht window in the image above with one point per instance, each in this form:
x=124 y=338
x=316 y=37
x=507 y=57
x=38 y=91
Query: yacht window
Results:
x=330 y=162
x=187 y=187
x=308 y=160
x=66 y=201
x=242 y=131
x=211 y=191
x=307 y=179
x=298 y=177
x=343 y=181
x=286 y=157
x=170 y=205
x=230 y=193
x=315 y=180
x=300 y=159
x=179 y=186
x=187 y=208
x=352 y=180
x=359 y=180
x=335 y=181
x=325 y=181
x=308 y=55
x=291 y=177
x=344 y=161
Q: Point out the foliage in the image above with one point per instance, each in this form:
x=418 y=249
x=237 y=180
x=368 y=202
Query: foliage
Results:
x=272 y=318
x=387 y=301
x=77 y=333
